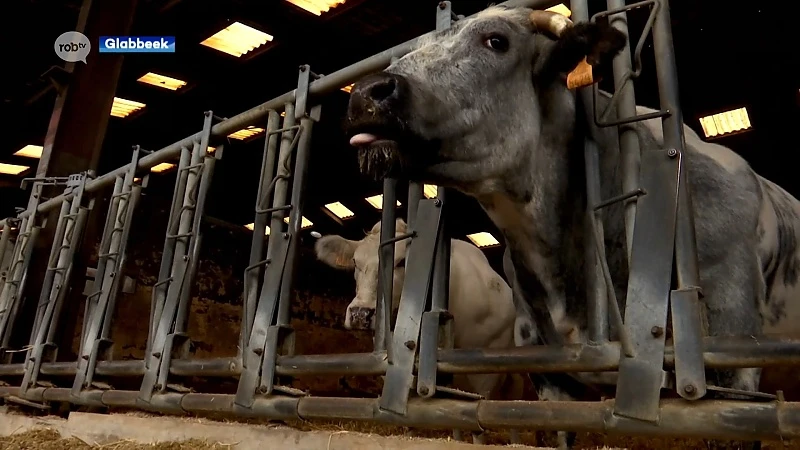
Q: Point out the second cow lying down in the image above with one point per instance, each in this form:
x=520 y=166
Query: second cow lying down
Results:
x=480 y=300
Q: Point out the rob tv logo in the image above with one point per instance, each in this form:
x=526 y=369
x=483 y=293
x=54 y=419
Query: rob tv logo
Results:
x=137 y=44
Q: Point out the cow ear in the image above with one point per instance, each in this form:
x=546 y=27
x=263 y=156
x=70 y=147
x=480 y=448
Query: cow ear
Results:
x=583 y=51
x=336 y=251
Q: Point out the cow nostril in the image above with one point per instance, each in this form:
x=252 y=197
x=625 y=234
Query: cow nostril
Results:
x=383 y=90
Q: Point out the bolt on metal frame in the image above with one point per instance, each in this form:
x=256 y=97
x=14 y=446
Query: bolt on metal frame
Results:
x=420 y=343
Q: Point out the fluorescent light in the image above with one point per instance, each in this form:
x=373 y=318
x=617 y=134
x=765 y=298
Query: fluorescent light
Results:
x=317 y=7
x=251 y=227
x=429 y=190
x=304 y=223
x=30 y=151
x=339 y=210
x=162 y=81
x=483 y=239
x=163 y=167
x=246 y=133
x=12 y=169
x=237 y=39
x=561 y=9
x=725 y=122
x=123 y=108
x=377 y=201
x=348 y=88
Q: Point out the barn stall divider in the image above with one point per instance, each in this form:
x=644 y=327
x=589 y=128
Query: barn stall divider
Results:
x=417 y=352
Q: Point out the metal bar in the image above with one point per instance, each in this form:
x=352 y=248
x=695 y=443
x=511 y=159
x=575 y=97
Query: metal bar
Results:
x=183 y=241
x=598 y=300
x=182 y=315
x=298 y=195
x=436 y=321
x=416 y=291
x=383 y=307
x=711 y=419
x=628 y=139
x=282 y=180
x=253 y=353
x=160 y=289
x=689 y=371
x=322 y=86
x=105 y=244
x=108 y=277
x=415 y=191
x=52 y=261
x=251 y=277
x=719 y=353
x=649 y=283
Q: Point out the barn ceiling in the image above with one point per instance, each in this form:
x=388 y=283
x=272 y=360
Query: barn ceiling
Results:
x=727 y=58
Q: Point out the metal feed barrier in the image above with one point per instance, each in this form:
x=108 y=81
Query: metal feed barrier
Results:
x=420 y=347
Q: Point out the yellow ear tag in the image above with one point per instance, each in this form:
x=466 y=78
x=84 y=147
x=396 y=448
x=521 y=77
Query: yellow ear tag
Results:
x=581 y=76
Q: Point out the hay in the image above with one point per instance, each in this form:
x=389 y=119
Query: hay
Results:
x=48 y=439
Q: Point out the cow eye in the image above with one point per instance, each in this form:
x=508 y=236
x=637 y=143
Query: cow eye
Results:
x=496 y=42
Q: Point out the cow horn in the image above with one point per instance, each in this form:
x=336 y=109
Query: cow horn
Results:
x=550 y=21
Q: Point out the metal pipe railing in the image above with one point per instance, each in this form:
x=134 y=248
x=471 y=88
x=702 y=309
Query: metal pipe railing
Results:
x=713 y=419
x=719 y=353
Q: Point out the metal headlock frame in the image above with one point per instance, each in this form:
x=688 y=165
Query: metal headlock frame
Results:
x=420 y=343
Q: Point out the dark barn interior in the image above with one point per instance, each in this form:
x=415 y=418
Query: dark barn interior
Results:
x=727 y=57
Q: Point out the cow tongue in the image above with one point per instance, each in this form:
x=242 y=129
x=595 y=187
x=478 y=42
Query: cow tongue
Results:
x=362 y=139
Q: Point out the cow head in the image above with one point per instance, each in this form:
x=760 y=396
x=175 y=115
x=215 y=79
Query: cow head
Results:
x=361 y=257
x=470 y=102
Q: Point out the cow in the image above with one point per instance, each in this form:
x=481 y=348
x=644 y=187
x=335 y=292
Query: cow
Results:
x=479 y=300
x=484 y=108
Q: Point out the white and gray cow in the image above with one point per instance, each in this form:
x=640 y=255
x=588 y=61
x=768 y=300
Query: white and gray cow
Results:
x=484 y=108
x=480 y=300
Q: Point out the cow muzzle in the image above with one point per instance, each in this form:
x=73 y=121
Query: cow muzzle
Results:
x=361 y=318
x=375 y=125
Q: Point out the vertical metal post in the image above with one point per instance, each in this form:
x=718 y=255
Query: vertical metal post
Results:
x=266 y=185
x=628 y=139
x=164 y=279
x=296 y=216
x=282 y=184
x=414 y=196
x=438 y=322
x=596 y=289
x=383 y=307
x=169 y=323
x=105 y=244
x=271 y=333
x=101 y=302
x=686 y=311
x=418 y=330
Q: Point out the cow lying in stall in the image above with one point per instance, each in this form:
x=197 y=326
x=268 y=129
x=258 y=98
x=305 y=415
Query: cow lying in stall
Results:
x=480 y=301
x=483 y=107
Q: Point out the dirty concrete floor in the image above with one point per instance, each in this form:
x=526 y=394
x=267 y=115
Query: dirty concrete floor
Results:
x=45 y=439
